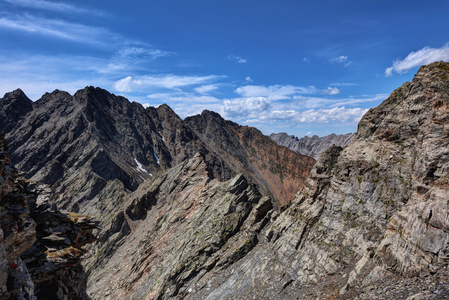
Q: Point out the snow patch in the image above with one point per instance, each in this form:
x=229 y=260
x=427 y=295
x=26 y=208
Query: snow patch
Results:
x=140 y=168
x=156 y=157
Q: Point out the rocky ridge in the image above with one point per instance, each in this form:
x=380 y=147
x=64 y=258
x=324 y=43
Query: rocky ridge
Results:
x=90 y=146
x=370 y=214
x=312 y=146
x=40 y=248
x=174 y=230
x=370 y=222
x=375 y=210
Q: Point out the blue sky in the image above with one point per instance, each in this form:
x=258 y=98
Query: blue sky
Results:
x=293 y=66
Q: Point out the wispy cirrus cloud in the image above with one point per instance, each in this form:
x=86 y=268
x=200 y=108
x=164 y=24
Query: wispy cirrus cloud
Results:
x=331 y=91
x=52 y=6
x=58 y=29
x=237 y=59
x=339 y=114
x=319 y=102
x=168 y=81
x=205 y=89
x=274 y=92
x=423 y=56
x=342 y=59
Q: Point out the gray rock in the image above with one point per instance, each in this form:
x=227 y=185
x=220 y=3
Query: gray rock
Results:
x=312 y=146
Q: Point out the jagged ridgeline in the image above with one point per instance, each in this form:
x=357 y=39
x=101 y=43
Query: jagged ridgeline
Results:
x=312 y=146
x=92 y=145
x=179 y=222
x=40 y=248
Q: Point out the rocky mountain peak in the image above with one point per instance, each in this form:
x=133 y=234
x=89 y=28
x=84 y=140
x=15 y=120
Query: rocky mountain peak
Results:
x=415 y=105
x=15 y=105
x=312 y=146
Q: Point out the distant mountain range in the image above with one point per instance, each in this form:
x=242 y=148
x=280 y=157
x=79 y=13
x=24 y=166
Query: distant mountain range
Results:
x=312 y=146
x=204 y=208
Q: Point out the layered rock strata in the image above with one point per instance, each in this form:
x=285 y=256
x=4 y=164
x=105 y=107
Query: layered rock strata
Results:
x=91 y=146
x=312 y=146
x=174 y=231
x=40 y=248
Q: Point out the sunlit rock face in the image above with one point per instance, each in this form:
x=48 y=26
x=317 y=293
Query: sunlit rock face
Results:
x=312 y=146
x=370 y=221
x=40 y=248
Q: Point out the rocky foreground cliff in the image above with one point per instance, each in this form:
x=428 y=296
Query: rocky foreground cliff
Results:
x=312 y=146
x=371 y=222
x=40 y=248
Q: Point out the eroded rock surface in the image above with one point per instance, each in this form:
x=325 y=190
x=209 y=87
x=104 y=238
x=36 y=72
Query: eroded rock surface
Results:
x=312 y=146
x=375 y=210
x=174 y=230
x=370 y=222
x=94 y=146
x=40 y=249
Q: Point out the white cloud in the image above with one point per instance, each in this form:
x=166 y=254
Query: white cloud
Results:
x=132 y=52
x=58 y=29
x=342 y=59
x=38 y=74
x=52 y=6
x=187 y=104
x=124 y=85
x=248 y=79
x=339 y=60
x=130 y=84
x=343 y=84
x=247 y=107
x=306 y=60
x=204 y=89
x=331 y=91
x=274 y=92
x=339 y=114
x=237 y=59
x=424 y=56
x=317 y=102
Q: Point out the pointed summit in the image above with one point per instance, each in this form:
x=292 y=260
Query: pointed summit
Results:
x=15 y=105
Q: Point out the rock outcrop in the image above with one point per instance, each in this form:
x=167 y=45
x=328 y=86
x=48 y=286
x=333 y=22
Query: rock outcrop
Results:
x=174 y=231
x=40 y=249
x=370 y=222
x=312 y=146
x=90 y=146
x=372 y=213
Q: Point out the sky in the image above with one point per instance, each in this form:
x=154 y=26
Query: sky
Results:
x=301 y=67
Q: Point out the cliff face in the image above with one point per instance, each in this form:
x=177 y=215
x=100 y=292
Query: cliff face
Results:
x=90 y=146
x=174 y=230
x=375 y=212
x=40 y=249
x=312 y=146
x=370 y=222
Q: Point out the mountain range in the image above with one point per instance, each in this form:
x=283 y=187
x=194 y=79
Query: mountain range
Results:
x=203 y=208
x=312 y=146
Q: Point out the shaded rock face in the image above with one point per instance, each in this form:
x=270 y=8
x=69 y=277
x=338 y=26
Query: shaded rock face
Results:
x=174 y=231
x=372 y=215
x=40 y=249
x=373 y=212
x=92 y=146
x=312 y=146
